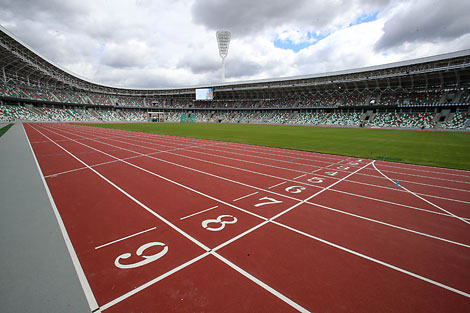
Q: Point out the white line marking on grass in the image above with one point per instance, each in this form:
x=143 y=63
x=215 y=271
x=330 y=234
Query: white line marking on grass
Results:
x=199 y=212
x=243 y=197
x=124 y=238
x=425 y=200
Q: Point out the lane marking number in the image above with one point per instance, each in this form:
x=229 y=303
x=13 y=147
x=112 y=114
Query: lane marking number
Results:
x=295 y=189
x=269 y=201
x=147 y=259
x=315 y=180
x=218 y=220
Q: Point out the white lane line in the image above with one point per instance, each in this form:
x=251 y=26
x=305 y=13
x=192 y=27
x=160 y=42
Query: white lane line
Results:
x=296 y=154
x=299 y=176
x=375 y=260
x=124 y=238
x=393 y=203
x=387 y=164
x=208 y=251
x=229 y=166
x=277 y=185
x=260 y=189
x=342 y=248
x=73 y=255
x=317 y=193
x=425 y=200
x=262 y=284
x=243 y=197
x=199 y=212
x=201 y=245
x=390 y=225
x=153 y=281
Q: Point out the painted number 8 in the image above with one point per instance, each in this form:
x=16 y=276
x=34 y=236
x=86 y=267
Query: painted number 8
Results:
x=218 y=220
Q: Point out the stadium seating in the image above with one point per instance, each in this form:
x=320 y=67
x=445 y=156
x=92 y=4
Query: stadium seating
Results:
x=13 y=112
x=404 y=120
x=130 y=101
x=457 y=122
x=99 y=99
x=134 y=116
x=8 y=91
x=343 y=119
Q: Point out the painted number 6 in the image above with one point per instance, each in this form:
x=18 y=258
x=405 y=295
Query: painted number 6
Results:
x=295 y=189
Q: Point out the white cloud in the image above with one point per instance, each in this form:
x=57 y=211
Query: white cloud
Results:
x=161 y=43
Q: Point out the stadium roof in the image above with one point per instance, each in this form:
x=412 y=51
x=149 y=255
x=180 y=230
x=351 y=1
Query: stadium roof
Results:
x=22 y=64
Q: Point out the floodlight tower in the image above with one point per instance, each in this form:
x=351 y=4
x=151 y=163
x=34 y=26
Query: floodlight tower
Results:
x=223 y=41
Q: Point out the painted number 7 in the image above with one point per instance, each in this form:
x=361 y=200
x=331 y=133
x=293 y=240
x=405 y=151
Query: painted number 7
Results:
x=269 y=201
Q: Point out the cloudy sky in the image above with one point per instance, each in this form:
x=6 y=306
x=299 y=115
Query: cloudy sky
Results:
x=172 y=43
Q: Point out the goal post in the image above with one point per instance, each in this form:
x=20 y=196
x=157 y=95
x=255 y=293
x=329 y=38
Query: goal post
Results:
x=157 y=117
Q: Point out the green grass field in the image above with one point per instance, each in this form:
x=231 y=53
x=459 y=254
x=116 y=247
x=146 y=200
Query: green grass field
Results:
x=4 y=129
x=442 y=149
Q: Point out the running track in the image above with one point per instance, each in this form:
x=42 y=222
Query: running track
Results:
x=159 y=223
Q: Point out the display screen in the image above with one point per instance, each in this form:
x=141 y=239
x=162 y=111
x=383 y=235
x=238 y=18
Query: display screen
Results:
x=204 y=94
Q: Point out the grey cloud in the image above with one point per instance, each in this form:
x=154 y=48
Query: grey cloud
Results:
x=199 y=65
x=121 y=60
x=426 y=21
x=245 y=17
x=46 y=11
x=241 y=68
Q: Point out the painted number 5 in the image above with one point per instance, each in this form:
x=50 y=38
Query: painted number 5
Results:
x=139 y=252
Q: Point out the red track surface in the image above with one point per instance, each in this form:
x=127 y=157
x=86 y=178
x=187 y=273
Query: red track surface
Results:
x=226 y=227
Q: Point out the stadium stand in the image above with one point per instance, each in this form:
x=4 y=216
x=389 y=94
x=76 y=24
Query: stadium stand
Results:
x=134 y=116
x=460 y=120
x=404 y=120
x=430 y=93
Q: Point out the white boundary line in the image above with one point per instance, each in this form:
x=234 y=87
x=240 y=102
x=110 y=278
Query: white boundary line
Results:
x=281 y=183
x=243 y=197
x=299 y=176
x=324 y=241
x=221 y=164
x=73 y=255
x=376 y=260
x=209 y=251
x=287 y=152
x=198 y=212
x=124 y=238
x=261 y=284
x=153 y=281
x=275 y=193
x=427 y=201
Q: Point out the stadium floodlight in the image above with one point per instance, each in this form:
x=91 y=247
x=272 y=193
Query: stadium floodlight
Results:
x=223 y=41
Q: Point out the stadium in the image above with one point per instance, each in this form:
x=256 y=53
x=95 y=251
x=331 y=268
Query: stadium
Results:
x=126 y=200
